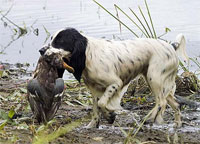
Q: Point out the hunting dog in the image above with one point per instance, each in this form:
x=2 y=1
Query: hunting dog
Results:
x=107 y=67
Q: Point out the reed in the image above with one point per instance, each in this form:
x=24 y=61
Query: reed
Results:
x=147 y=31
x=116 y=18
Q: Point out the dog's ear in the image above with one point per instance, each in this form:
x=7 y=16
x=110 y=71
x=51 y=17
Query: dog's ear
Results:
x=60 y=72
x=77 y=60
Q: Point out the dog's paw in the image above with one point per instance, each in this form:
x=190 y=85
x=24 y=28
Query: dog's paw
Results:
x=177 y=124
x=111 y=117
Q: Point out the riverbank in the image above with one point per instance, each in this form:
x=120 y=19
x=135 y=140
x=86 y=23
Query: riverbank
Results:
x=18 y=126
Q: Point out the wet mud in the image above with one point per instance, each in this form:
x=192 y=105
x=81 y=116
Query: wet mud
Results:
x=77 y=106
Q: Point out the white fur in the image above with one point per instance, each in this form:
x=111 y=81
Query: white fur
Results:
x=111 y=65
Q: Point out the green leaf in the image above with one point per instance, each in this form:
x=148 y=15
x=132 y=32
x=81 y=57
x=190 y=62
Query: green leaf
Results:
x=11 y=113
x=1 y=73
x=4 y=74
x=3 y=115
x=3 y=124
x=167 y=30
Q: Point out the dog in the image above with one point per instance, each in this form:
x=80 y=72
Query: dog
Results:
x=46 y=89
x=107 y=67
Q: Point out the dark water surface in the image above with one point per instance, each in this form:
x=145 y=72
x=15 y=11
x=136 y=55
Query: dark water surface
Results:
x=181 y=16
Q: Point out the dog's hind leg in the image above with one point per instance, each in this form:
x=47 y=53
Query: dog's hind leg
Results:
x=155 y=82
x=175 y=106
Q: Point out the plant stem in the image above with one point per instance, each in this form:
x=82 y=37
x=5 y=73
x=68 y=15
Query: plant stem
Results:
x=140 y=22
x=150 y=19
x=131 y=20
x=116 y=18
x=146 y=21
x=117 y=14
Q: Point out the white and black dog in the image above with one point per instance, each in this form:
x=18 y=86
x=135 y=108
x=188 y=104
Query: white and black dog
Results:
x=107 y=67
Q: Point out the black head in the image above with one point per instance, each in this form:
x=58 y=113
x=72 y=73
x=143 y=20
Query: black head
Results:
x=72 y=46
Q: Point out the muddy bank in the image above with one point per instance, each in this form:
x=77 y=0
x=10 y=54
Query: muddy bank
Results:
x=18 y=126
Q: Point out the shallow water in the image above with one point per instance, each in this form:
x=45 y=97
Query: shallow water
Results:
x=181 y=16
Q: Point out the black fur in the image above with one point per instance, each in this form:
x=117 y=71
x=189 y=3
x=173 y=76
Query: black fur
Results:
x=71 y=40
x=60 y=72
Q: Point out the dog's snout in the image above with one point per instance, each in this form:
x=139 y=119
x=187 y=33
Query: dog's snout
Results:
x=42 y=51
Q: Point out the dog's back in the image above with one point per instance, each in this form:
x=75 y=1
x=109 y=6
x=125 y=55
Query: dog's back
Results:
x=111 y=65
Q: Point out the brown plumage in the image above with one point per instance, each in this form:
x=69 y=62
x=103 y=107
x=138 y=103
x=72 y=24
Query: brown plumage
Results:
x=46 y=89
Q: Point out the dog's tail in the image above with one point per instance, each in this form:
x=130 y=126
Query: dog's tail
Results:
x=180 y=45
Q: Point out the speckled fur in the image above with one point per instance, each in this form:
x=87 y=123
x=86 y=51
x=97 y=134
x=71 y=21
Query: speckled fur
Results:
x=109 y=66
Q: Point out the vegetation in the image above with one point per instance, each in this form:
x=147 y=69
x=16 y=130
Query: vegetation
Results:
x=17 y=125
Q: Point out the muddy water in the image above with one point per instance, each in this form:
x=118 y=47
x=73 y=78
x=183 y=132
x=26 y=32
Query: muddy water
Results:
x=181 y=16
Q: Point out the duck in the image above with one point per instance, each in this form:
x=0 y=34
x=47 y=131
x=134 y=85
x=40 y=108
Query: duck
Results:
x=46 y=88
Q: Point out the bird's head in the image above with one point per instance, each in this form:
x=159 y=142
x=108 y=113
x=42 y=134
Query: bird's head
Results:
x=56 y=60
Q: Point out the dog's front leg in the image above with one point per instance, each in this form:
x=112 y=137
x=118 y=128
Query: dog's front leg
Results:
x=110 y=91
x=95 y=114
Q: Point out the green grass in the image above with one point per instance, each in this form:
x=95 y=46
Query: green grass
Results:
x=42 y=137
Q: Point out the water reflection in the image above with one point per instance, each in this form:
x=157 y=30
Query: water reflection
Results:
x=42 y=17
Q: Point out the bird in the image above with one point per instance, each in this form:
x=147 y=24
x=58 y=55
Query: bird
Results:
x=46 y=88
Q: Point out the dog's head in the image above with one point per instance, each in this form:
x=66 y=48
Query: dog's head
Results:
x=72 y=46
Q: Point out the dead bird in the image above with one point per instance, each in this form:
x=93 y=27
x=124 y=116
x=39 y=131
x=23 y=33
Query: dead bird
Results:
x=46 y=89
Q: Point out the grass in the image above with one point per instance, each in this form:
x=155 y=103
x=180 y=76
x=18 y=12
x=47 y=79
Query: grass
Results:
x=42 y=137
x=145 y=28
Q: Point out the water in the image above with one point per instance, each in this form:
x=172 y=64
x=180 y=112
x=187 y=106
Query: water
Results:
x=181 y=16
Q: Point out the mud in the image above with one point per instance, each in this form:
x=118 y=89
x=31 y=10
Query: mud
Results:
x=77 y=104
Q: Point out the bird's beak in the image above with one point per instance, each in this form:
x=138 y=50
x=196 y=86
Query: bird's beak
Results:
x=42 y=51
x=68 y=68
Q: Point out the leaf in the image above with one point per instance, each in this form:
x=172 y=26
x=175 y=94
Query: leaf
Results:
x=3 y=124
x=23 y=90
x=98 y=138
x=69 y=103
x=3 y=115
x=4 y=99
x=46 y=138
x=167 y=30
x=14 y=95
x=48 y=34
x=80 y=103
x=23 y=126
x=11 y=113
x=18 y=107
x=4 y=74
x=1 y=73
x=41 y=128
